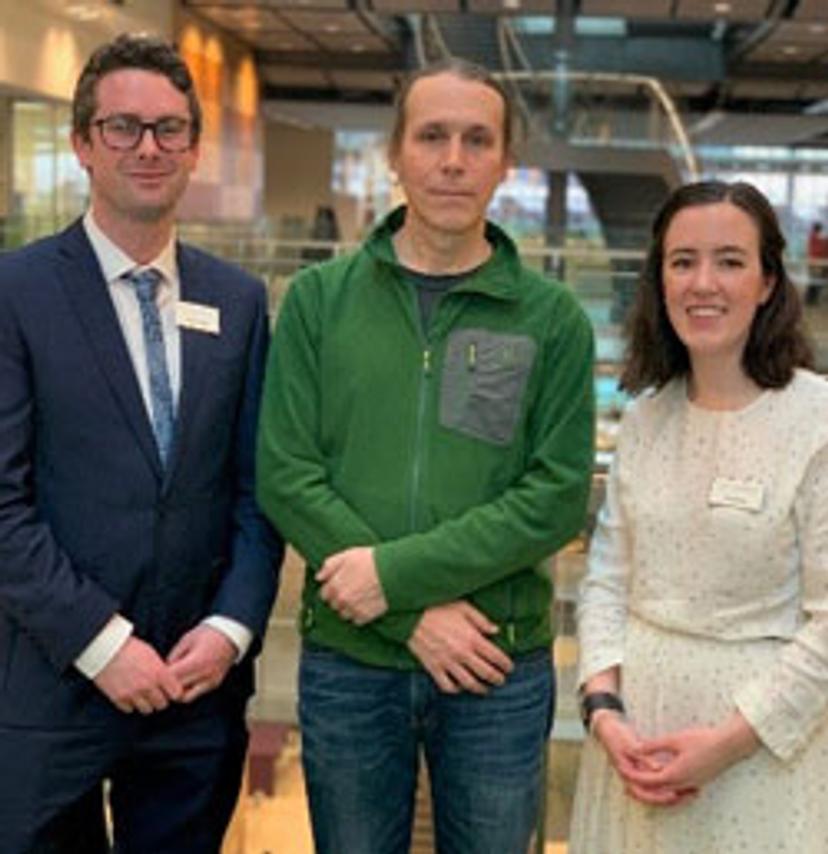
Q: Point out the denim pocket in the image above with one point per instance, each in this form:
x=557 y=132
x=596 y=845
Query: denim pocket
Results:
x=483 y=384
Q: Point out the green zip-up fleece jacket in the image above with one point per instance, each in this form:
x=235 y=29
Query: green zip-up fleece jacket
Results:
x=463 y=452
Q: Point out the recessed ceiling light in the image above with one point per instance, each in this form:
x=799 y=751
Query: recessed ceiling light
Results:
x=817 y=28
x=358 y=48
x=331 y=28
x=790 y=49
x=81 y=11
x=511 y=5
x=722 y=8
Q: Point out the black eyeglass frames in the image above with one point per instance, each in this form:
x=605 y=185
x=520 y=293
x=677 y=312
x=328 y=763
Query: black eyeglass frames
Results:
x=124 y=132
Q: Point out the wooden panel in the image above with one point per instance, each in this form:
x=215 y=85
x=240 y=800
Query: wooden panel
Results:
x=522 y=7
x=709 y=10
x=422 y=837
x=402 y=6
x=811 y=10
x=319 y=22
x=633 y=9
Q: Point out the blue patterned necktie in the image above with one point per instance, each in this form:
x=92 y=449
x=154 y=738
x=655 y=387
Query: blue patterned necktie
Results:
x=146 y=284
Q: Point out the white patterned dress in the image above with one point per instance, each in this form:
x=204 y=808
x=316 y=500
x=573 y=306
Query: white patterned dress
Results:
x=708 y=585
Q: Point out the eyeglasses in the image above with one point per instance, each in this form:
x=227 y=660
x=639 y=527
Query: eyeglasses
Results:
x=172 y=134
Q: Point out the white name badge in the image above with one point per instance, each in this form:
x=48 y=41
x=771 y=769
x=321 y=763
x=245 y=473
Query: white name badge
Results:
x=739 y=494
x=194 y=315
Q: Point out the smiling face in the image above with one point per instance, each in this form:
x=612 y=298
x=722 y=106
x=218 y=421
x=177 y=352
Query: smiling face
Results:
x=713 y=280
x=145 y=184
x=451 y=154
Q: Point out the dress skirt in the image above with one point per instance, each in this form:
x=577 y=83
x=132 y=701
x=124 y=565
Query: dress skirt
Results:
x=758 y=806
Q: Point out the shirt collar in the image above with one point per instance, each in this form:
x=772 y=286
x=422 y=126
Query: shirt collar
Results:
x=115 y=263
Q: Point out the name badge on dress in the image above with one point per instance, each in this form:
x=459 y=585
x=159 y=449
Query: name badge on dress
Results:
x=194 y=315
x=739 y=494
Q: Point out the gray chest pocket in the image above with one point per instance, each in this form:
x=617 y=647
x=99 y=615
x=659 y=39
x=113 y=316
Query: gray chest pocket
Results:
x=484 y=379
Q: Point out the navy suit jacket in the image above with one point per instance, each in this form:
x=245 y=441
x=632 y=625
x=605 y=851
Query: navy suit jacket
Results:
x=90 y=523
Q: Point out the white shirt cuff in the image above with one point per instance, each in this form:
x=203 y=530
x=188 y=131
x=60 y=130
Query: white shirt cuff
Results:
x=239 y=635
x=104 y=646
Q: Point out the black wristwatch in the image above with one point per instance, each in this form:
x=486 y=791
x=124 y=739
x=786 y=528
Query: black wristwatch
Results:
x=592 y=702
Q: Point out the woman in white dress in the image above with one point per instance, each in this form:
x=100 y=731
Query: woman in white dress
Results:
x=703 y=619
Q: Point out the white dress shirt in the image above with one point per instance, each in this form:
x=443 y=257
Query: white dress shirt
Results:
x=115 y=263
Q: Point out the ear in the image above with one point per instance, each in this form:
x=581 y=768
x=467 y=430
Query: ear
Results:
x=508 y=163
x=392 y=157
x=82 y=148
x=195 y=153
x=767 y=291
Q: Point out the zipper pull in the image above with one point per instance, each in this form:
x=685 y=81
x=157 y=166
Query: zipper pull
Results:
x=308 y=618
x=471 y=357
x=427 y=362
x=510 y=633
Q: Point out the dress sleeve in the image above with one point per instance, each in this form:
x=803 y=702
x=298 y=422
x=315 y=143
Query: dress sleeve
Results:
x=602 y=603
x=787 y=704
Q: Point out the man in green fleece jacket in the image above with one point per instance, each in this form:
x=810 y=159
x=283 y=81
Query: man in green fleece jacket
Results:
x=426 y=440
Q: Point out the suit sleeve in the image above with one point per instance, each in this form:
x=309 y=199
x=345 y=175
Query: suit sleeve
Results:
x=293 y=484
x=41 y=592
x=249 y=585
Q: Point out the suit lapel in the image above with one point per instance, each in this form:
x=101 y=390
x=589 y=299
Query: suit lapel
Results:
x=88 y=293
x=195 y=347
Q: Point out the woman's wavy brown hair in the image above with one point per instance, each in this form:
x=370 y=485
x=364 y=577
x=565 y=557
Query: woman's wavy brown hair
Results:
x=777 y=343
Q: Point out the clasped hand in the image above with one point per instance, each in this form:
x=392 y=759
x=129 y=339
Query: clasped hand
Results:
x=669 y=770
x=350 y=585
x=138 y=679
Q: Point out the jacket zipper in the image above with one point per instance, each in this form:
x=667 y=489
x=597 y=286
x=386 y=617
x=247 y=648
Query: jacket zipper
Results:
x=510 y=624
x=416 y=470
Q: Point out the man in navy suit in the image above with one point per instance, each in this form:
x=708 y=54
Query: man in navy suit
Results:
x=136 y=574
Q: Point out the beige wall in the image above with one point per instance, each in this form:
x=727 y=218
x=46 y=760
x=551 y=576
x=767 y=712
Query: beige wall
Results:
x=298 y=165
x=228 y=183
x=43 y=48
x=5 y=156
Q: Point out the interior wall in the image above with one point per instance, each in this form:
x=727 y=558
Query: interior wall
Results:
x=298 y=164
x=228 y=183
x=5 y=156
x=43 y=50
x=43 y=47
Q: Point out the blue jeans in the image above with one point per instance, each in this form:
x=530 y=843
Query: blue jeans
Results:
x=362 y=731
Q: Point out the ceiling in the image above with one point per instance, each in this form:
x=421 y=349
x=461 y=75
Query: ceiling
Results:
x=752 y=58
